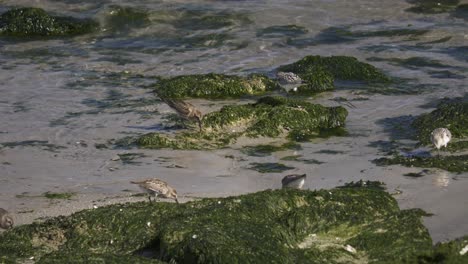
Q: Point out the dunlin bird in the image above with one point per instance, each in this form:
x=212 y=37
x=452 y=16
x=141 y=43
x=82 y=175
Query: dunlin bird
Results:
x=440 y=137
x=185 y=110
x=157 y=188
x=6 y=220
x=288 y=78
x=293 y=181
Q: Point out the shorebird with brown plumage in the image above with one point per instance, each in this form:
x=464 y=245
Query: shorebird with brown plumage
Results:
x=157 y=188
x=6 y=220
x=295 y=181
x=288 y=78
x=184 y=109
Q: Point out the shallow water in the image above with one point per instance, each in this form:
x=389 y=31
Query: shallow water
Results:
x=61 y=97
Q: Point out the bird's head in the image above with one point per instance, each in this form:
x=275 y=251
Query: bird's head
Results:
x=7 y=222
x=199 y=116
x=173 y=195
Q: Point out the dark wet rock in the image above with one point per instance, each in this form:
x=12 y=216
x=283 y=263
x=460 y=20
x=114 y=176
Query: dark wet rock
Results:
x=269 y=167
x=281 y=31
x=274 y=117
x=461 y=11
x=414 y=62
x=214 y=86
x=432 y=6
x=122 y=18
x=35 y=22
x=345 y=34
x=354 y=224
x=267 y=150
x=204 y=20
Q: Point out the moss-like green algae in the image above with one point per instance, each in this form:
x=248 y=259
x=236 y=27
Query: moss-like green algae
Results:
x=452 y=163
x=269 y=117
x=266 y=150
x=354 y=224
x=452 y=114
x=269 y=167
x=214 y=86
x=283 y=30
x=432 y=6
x=318 y=73
x=53 y=195
x=121 y=18
x=35 y=22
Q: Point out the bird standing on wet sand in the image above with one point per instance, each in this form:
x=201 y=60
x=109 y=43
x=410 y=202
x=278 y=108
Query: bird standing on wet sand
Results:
x=157 y=188
x=185 y=110
x=295 y=181
x=440 y=137
x=6 y=220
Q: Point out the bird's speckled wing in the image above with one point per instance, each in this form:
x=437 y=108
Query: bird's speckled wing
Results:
x=181 y=107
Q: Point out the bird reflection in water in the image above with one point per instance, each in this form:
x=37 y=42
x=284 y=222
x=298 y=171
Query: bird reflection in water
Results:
x=441 y=179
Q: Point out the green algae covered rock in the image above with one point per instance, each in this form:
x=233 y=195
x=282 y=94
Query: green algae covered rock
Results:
x=432 y=6
x=121 y=18
x=269 y=117
x=341 y=67
x=452 y=114
x=345 y=225
x=315 y=80
x=454 y=251
x=35 y=22
x=186 y=140
x=450 y=163
x=214 y=86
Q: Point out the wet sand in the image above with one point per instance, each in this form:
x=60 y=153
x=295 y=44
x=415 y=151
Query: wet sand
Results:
x=225 y=172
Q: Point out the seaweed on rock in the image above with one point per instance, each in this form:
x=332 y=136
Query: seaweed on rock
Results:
x=432 y=6
x=449 y=163
x=452 y=114
x=341 y=67
x=269 y=117
x=346 y=225
x=35 y=22
x=315 y=80
x=214 y=85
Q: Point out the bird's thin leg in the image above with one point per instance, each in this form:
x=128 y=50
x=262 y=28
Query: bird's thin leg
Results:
x=149 y=197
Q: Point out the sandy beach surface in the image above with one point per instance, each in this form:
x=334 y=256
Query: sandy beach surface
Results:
x=61 y=101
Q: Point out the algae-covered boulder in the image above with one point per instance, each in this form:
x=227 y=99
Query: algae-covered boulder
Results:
x=315 y=80
x=35 y=22
x=269 y=117
x=341 y=67
x=345 y=225
x=452 y=114
x=432 y=6
x=451 y=163
x=122 y=18
x=214 y=86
